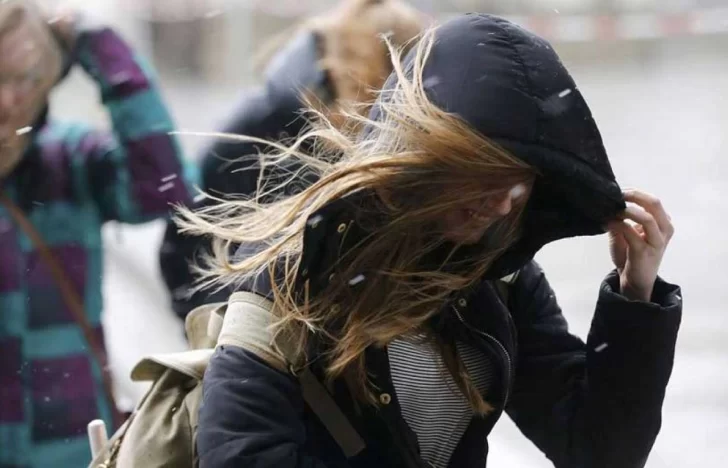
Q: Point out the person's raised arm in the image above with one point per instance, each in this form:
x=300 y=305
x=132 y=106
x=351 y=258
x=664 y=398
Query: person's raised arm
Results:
x=137 y=170
x=599 y=404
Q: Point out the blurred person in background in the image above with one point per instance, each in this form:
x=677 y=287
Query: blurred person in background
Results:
x=335 y=62
x=404 y=279
x=66 y=180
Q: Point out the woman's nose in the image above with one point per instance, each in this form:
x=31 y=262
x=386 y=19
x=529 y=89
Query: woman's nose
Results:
x=504 y=206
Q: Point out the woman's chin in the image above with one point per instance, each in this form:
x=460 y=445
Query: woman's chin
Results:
x=465 y=237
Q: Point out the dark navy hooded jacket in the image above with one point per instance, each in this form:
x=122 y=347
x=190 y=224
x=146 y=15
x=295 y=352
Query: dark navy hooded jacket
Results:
x=585 y=405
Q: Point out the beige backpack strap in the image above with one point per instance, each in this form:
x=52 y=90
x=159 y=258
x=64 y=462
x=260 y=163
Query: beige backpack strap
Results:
x=246 y=324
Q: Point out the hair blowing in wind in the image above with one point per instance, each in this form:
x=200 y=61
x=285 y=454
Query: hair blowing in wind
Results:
x=418 y=163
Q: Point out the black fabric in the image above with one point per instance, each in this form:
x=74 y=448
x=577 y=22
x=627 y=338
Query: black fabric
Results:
x=510 y=85
x=583 y=405
x=595 y=404
x=230 y=168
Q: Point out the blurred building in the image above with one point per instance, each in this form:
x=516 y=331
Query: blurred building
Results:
x=215 y=40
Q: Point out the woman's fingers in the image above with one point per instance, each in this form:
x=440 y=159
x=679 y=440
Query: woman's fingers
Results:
x=646 y=229
x=628 y=233
x=653 y=234
x=652 y=205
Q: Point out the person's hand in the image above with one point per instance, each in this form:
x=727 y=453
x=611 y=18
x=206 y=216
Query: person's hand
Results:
x=62 y=24
x=638 y=242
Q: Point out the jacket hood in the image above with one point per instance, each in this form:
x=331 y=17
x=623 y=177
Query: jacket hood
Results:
x=511 y=86
x=295 y=68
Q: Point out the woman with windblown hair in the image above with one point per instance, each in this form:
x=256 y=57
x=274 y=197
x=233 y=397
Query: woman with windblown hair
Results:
x=386 y=278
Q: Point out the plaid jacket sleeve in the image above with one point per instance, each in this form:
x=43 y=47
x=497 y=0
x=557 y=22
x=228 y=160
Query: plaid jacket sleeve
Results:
x=136 y=171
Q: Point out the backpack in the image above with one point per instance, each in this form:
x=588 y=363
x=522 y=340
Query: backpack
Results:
x=161 y=432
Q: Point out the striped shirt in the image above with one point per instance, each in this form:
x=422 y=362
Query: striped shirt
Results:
x=432 y=405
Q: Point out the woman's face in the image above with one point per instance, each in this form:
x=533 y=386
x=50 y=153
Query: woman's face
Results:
x=26 y=70
x=467 y=224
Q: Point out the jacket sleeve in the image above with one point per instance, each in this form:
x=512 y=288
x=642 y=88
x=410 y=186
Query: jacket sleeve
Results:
x=176 y=255
x=224 y=172
x=251 y=415
x=596 y=404
x=137 y=170
x=228 y=166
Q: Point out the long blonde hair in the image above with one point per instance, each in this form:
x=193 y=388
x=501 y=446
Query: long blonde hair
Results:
x=420 y=162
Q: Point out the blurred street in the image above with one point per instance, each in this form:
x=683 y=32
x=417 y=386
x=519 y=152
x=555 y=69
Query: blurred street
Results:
x=662 y=107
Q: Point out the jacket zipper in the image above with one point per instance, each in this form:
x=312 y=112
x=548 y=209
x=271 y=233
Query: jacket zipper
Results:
x=499 y=345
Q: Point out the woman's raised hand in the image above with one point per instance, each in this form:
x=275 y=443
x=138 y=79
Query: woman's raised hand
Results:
x=638 y=242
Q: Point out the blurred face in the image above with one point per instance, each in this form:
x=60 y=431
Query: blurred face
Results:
x=27 y=71
x=468 y=223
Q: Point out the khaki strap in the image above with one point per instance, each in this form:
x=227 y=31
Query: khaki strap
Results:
x=323 y=405
x=70 y=297
x=246 y=324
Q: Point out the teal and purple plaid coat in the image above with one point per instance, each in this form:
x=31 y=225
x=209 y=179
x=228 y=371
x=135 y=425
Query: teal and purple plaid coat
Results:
x=73 y=179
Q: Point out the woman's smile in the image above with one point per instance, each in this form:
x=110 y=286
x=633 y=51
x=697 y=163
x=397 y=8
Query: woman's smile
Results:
x=468 y=224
